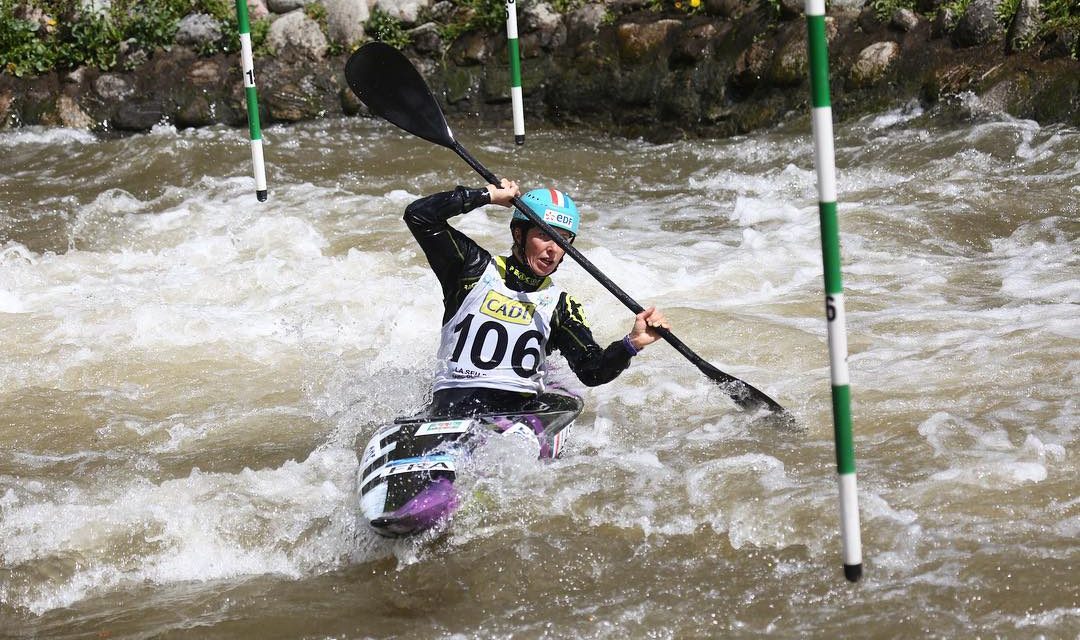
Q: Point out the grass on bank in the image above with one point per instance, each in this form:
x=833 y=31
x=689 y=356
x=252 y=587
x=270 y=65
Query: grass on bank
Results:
x=42 y=35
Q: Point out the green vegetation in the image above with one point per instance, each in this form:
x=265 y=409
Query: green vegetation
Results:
x=1063 y=15
x=37 y=36
x=1060 y=15
x=1006 y=11
x=474 y=15
x=386 y=28
x=884 y=9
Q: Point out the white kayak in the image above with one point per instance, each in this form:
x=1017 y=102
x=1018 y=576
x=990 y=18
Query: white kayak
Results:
x=408 y=468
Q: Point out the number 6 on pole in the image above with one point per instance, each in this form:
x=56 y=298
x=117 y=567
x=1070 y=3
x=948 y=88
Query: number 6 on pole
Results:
x=825 y=160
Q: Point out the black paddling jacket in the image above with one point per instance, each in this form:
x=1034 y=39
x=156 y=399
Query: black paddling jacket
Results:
x=459 y=262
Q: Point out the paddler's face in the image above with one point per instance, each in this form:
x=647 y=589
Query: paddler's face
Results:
x=542 y=255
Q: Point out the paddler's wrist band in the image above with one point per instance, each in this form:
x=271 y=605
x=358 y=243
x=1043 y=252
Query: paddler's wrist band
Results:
x=630 y=346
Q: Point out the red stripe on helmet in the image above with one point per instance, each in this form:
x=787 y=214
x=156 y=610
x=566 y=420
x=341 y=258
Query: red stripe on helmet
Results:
x=556 y=197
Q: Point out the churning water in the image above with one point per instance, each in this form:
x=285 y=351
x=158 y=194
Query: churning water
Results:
x=187 y=375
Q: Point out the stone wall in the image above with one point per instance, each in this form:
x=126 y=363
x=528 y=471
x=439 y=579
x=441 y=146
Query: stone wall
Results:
x=733 y=67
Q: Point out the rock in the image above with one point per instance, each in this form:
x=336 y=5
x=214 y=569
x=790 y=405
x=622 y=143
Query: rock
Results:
x=728 y=8
x=640 y=42
x=904 y=19
x=752 y=64
x=257 y=9
x=204 y=73
x=831 y=29
x=137 y=115
x=198 y=30
x=1060 y=43
x=24 y=11
x=6 y=98
x=350 y=104
x=696 y=44
x=425 y=39
x=543 y=25
x=928 y=6
x=297 y=34
x=345 y=20
x=539 y=17
x=790 y=64
x=471 y=49
x=791 y=9
x=585 y=22
x=978 y=24
x=461 y=83
x=623 y=7
x=442 y=11
x=196 y=111
x=872 y=64
x=1024 y=27
x=407 y=11
x=113 y=87
x=868 y=19
x=78 y=76
x=71 y=115
x=944 y=22
x=292 y=101
x=285 y=6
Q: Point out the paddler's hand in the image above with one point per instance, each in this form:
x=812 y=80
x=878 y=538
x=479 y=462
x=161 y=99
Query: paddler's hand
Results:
x=502 y=195
x=644 y=332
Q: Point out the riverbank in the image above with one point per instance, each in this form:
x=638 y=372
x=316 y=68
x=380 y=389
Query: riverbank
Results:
x=728 y=67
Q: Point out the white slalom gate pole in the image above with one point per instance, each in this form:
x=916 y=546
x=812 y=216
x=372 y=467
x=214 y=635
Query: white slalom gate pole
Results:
x=247 y=60
x=515 y=71
x=825 y=160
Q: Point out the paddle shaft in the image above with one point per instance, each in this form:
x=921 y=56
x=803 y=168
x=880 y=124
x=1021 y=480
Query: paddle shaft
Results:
x=740 y=395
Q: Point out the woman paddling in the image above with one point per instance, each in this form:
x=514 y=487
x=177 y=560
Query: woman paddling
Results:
x=503 y=315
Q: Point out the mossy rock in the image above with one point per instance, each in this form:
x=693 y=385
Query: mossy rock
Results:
x=462 y=83
x=1059 y=100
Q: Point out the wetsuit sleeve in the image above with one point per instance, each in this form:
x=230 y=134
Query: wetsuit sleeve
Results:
x=454 y=257
x=573 y=338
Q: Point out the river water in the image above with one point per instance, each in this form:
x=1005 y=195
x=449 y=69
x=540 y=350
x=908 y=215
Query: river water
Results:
x=187 y=375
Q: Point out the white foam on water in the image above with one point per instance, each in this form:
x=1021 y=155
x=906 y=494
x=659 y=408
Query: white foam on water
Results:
x=1040 y=263
x=42 y=136
x=9 y=302
x=208 y=526
x=960 y=361
x=894 y=117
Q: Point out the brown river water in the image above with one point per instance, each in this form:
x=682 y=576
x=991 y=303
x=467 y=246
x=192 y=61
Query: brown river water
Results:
x=187 y=376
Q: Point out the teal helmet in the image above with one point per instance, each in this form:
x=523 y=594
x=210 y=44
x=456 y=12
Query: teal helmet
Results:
x=553 y=207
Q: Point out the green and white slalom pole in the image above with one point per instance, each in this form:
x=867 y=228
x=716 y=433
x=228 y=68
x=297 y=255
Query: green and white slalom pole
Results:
x=247 y=60
x=825 y=160
x=515 y=71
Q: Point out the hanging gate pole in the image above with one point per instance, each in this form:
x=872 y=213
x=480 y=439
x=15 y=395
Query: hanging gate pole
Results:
x=825 y=161
x=247 y=60
x=515 y=71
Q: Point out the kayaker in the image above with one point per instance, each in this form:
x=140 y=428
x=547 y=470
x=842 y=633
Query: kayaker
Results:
x=503 y=315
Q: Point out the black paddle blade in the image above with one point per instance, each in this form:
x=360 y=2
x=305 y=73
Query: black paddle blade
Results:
x=744 y=394
x=391 y=87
